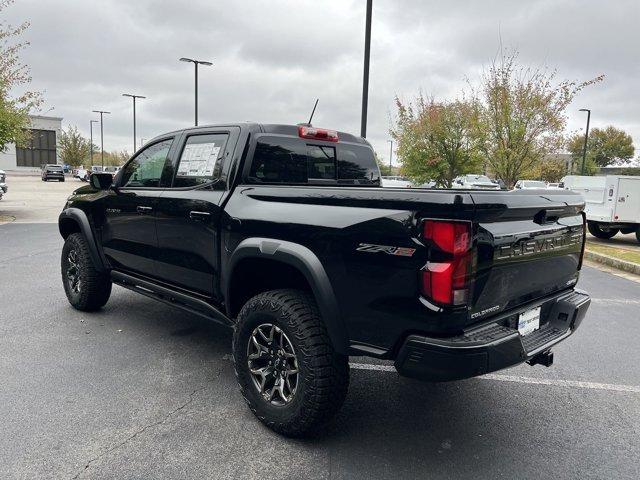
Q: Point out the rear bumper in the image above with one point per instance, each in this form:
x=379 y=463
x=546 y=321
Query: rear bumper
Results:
x=492 y=346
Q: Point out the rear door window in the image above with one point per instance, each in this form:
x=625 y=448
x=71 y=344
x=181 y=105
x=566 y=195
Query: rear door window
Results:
x=201 y=160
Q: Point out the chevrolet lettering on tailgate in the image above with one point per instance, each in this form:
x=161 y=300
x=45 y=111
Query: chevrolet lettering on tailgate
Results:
x=534 y=245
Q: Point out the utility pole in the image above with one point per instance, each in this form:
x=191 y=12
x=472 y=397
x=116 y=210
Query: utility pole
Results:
x=134 y=116
x=365 y=76
x=101 y=112
x=196 y=63
x=390 y=154
x=586 y=137
x=91 y=144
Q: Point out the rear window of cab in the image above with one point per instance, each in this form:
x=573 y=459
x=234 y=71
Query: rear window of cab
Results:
x=286 y=160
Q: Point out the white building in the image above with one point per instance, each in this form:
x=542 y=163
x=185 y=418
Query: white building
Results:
x=41 y=149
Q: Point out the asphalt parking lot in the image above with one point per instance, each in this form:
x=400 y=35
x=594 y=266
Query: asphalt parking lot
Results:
x=140 y=390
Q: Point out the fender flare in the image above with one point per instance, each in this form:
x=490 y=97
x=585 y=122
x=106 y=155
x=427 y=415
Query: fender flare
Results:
x=305 y=261
x=80 y=218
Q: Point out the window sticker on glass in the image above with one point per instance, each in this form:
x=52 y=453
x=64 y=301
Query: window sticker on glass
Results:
x=198 y=159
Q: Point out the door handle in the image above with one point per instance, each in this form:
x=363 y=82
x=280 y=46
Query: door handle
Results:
x=194 y=215
x=142 y=209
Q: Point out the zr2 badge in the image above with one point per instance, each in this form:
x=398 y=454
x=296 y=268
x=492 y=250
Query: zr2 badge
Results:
x=397 y=251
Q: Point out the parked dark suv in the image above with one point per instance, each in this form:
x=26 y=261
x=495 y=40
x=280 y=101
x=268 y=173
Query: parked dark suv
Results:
x=284 y=234
x=52 y=172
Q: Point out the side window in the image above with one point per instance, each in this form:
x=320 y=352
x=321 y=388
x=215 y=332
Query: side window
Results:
x=279 y=160
x=145 y=170
x=201 y=160
x=321 y=162
x=357 y=165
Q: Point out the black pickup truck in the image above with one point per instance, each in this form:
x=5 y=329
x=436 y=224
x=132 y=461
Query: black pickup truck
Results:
x=285 y=234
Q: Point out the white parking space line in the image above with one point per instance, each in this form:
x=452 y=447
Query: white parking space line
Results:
x=562 y=383
x=368 y=366
x=519 y=379
x=616 y=301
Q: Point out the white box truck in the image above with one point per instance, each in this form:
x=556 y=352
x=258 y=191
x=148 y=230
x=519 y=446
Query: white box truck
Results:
x=612 y=203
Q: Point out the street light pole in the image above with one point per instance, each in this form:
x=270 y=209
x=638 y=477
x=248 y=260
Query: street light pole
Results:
x=134 y=116
x=365 y=76
x=390 y=154
x=91 y=137
x=586 y=137
x=196 y=63
x=101 y=112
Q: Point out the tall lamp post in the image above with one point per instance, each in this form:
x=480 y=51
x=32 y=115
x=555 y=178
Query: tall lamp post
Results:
x=91 y=142
x=101 y=112
x=365 y=75
x=390 y=154
x=586 y=137
x=133 y=97
x=196 y=63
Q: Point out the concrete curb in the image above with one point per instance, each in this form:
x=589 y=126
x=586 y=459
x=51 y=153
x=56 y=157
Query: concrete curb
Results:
x=613 y=262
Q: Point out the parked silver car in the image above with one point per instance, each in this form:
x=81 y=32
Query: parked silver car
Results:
x=530 y=185
x=475 y=182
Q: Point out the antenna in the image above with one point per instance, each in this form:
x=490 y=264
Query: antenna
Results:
x=313 y=111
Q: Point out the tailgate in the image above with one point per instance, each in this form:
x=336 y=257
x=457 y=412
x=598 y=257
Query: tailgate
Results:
x=529 y=245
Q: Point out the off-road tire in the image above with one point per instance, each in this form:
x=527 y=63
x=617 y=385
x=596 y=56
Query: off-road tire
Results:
x=596 y=230
x=323 y=378
x=95 y=286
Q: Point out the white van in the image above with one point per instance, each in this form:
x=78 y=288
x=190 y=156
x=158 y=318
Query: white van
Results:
x=612 y=203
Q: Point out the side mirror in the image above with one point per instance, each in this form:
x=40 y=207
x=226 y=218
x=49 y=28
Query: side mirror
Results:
x=101 y=181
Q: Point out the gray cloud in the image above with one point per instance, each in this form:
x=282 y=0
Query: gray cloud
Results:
x=272 y=59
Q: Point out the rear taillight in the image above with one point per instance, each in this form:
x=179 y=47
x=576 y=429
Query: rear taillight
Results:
x=445 y=278
x=318 y=133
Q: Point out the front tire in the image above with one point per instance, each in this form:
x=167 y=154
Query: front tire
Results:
x=87 y=288
x=288 y=372
x=599 y=231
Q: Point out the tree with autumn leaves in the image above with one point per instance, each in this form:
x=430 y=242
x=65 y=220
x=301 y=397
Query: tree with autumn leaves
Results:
x=605 y=147
x=435 y=139
x=16 y=100
x=507 y=124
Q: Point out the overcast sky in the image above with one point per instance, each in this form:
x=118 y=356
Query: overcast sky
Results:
x=273 y=58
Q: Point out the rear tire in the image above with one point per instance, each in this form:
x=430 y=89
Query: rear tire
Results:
x=599 y=231
x=87 y=288
x=292 y=331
